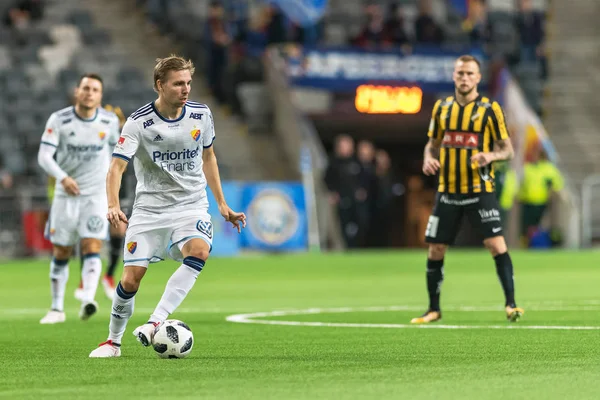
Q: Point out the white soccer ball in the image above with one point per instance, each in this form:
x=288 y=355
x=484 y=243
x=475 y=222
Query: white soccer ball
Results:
x=173 y=339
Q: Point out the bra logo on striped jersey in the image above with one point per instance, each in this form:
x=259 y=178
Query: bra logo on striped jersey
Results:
x=464 y=140
x=148 y=123
x=195 y=116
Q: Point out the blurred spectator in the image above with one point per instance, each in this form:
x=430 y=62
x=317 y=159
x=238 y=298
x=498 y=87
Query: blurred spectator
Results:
x=23 y=12
x=307 y=35
x=6 y=179
x=276 y=27
x=217 y=40
x=372 y=35
x=530 y=26
x=427 y=30
x=393 y=27
x=342 y=177
x=476 y=24
x=541 y=178
x=379 y=232
x=367 y=188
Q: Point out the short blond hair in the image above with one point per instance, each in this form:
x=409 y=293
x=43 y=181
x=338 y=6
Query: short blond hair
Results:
x=469 y=58
x=171 y=63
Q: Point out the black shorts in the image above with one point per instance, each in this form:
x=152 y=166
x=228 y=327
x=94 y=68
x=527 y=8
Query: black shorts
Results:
x=481 y=209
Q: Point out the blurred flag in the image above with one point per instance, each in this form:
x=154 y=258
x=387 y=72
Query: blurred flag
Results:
x=302 y=12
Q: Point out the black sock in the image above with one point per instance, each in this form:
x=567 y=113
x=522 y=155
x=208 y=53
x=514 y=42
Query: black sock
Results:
x=504 y=269
x=435 y=277
x=116 y=248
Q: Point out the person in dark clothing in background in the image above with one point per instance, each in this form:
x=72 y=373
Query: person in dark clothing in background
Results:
x=341 y=178
x=217 y=43
x=379 y=232
x=427 y=30
x=367 y=187
x=393 y=27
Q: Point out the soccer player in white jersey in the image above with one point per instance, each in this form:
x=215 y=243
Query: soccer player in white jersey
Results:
x=172 y=141
x=75 y=150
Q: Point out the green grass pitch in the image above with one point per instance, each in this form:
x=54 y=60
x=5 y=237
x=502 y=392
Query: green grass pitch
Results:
x=231 y=360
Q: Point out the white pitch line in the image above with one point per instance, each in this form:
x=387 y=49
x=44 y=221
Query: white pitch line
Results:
x=252 y=319
x=42 y=311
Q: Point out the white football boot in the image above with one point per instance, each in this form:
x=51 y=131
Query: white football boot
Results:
x=54 y=317
x=87 y=310
x=145 y=333
x=106 y=350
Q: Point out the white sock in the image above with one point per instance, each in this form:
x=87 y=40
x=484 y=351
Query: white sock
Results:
x=122 y=310
x=178 y=286
x=90 y=276
x=59 y=275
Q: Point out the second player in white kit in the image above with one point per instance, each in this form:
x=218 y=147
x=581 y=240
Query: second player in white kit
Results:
x=75 y=149
x=171 y=143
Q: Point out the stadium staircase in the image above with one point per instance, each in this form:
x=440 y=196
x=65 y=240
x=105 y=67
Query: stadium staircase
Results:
x=570 y=109
x=242 y=156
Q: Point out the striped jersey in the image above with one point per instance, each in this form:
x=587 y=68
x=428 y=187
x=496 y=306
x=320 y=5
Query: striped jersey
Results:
x=464 y=131
x=168 y=156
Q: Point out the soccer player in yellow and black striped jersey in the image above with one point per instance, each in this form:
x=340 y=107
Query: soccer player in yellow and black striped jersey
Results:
x=467 y=134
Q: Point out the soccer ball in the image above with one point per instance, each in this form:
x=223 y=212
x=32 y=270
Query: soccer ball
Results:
x=173 y=339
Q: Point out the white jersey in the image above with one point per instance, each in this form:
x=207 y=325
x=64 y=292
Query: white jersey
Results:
x=168 y=157
x=83 y=147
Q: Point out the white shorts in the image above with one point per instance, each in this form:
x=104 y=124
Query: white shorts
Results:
x=151 y=237
x=77 y=217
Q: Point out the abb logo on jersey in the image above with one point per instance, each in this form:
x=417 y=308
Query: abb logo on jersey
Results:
x=464 y=140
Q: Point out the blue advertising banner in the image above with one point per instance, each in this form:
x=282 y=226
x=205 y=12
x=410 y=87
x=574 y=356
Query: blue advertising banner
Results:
x=343 y=69
x=276 y=213
x=226 y=241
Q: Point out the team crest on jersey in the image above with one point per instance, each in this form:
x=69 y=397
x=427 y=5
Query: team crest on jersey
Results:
x=102 y=135
x=195 y=134
x=131 y=247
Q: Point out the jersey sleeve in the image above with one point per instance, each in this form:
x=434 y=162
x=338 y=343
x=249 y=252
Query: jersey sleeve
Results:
x=209 y=138
x=128 y=142
x=435 y=131
x=51 y=135
x=498 y=122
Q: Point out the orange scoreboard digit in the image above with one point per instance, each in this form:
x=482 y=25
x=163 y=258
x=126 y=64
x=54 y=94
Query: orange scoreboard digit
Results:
x=371 y=99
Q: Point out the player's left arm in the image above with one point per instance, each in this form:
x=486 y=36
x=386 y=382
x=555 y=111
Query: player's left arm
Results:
x=503 y=148
x=213 y=178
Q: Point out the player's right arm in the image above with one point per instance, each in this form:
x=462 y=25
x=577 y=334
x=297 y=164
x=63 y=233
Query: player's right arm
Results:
x=48 y=146
x=126 y=148
x=431 y=155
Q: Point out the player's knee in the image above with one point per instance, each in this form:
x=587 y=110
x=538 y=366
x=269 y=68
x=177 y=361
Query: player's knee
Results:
x=132 y=276
x=199 y=253
x=196 y=248
x=89 y=246
x=437 y=251
x=62 y=252
x=496 y=245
